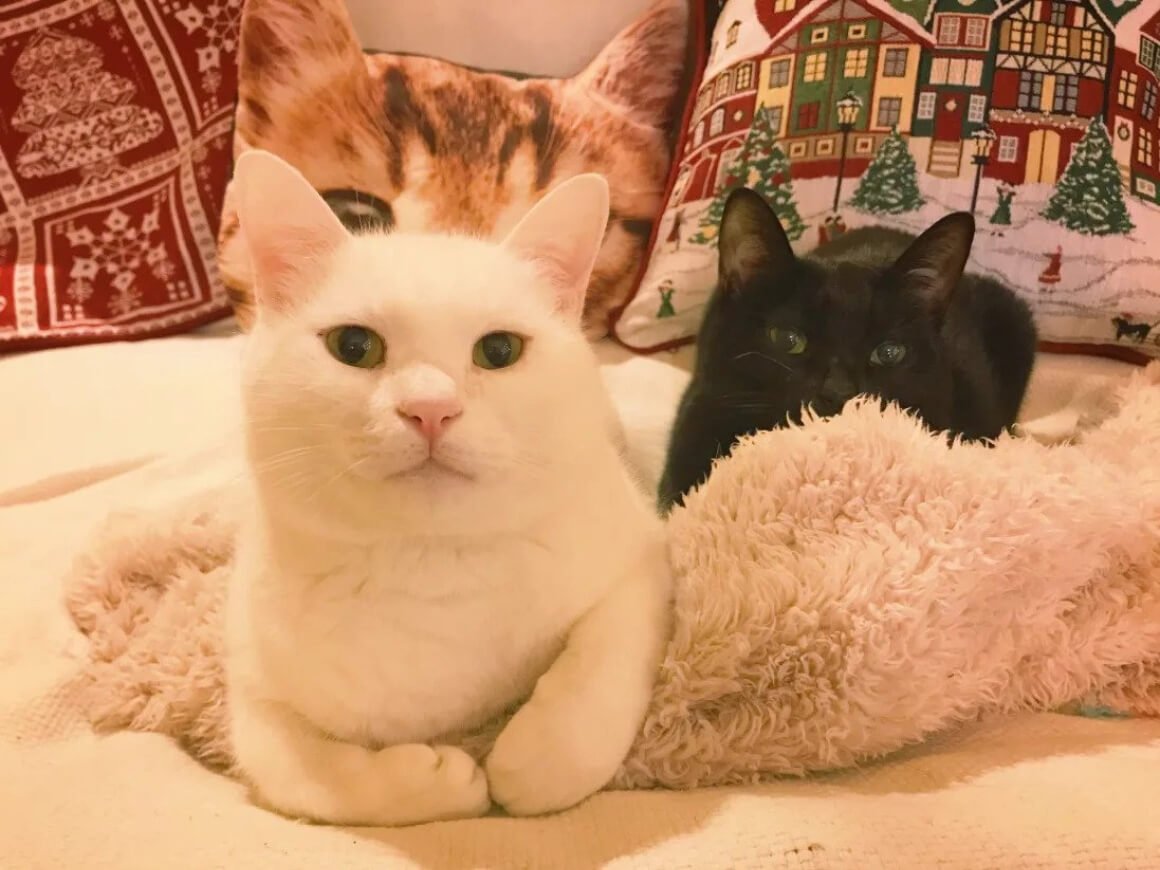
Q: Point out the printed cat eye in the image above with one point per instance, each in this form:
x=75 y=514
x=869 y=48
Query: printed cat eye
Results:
x=788 y=341
x=360 y=212
x=356 y=346
x=497 y=350
x=889 y=353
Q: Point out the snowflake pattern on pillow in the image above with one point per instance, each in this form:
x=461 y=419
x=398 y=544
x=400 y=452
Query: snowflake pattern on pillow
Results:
x=1040 y=116
x=116 y=121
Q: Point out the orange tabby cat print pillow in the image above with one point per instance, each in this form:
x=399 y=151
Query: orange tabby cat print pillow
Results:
x=423 y=145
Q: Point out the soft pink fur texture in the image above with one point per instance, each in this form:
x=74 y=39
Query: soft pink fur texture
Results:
x=844 y=589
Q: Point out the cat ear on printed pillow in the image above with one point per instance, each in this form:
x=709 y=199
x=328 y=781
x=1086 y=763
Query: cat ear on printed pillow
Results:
x=562 y=234
x=640 y=70
x=751 y=241
x=302 y=78
x=288 y=229
x=933 y=264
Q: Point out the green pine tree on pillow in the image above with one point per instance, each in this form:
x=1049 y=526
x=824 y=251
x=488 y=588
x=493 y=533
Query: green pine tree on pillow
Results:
x=761 y=166
x=1089 y=197
x=890 y=185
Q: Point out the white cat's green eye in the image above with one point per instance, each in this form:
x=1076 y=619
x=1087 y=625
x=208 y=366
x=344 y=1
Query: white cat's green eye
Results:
x=788 y=341
x=356 y=346
x=887 y=354
x=497 y=350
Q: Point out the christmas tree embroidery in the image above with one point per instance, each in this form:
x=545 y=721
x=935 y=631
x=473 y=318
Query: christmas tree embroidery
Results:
x=890 y=185
x=666 y=290
x=1002 y=215
x=1089 y=197
x=78 y=115
x=761 y=166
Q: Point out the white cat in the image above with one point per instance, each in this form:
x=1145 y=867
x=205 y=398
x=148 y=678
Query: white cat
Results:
x=442 y=525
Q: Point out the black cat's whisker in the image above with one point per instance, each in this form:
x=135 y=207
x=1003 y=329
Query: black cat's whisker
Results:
x=751 y=406
x=743 y=395
x=763 y=356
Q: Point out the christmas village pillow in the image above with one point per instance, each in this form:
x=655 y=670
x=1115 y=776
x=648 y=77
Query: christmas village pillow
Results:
x=1040 y=116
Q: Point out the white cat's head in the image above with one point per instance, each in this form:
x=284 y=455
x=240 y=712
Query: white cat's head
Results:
x=417 y=380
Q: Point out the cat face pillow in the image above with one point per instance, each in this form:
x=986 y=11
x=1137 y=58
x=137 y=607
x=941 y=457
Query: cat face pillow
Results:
x=423 y=145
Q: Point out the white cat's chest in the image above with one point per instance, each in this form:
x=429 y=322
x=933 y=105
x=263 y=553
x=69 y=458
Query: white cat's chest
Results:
x=403 y=646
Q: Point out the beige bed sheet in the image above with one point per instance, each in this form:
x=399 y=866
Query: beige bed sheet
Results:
x=88 y=430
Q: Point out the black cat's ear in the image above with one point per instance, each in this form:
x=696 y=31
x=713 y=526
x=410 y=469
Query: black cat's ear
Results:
x=933 y=264
x=751 y=241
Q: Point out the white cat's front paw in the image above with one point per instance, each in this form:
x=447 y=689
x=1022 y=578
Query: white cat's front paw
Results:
x=446 y=783
x=547 y=759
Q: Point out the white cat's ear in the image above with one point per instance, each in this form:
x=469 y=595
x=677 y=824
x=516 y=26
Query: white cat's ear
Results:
x=562 y=235
x=288 y=228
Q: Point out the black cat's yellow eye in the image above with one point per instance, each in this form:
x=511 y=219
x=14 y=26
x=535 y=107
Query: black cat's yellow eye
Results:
x=356 y=346
x=887 y=354
x=788 y=341
x=497 y=350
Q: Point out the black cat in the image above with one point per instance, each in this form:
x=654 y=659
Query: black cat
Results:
x=875 y=311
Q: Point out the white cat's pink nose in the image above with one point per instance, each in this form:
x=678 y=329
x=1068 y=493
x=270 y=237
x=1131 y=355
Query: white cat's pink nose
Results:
x=430 y=416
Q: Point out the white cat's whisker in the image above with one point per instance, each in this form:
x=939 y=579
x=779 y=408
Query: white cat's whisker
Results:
x=335 y=478
x=289 y=470
x=283 y=471
x=289 y=455
x=278 y=392
x=293 y=483
x=310 y=427
x=485 y=461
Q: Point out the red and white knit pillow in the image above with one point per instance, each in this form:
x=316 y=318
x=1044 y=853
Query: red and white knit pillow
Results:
x=115 y=137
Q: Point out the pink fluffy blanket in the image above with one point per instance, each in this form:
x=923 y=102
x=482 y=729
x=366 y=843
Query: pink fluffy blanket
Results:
x=844 y=588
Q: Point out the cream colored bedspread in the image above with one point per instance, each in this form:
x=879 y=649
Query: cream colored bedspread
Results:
x=88 y=430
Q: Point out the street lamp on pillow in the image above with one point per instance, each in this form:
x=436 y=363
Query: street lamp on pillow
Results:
x=983 y=139
x=848 y=108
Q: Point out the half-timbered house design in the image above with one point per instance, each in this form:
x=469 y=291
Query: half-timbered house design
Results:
x=1052 y=64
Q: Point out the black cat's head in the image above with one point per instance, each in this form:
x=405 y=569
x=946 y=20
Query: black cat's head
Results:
x=781 y=332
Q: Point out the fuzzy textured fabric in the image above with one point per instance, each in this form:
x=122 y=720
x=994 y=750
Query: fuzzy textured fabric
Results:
x=148 y=596
x=844 y=588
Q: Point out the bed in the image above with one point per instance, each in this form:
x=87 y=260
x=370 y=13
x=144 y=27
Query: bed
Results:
x=90 y=430
x=94 y=429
